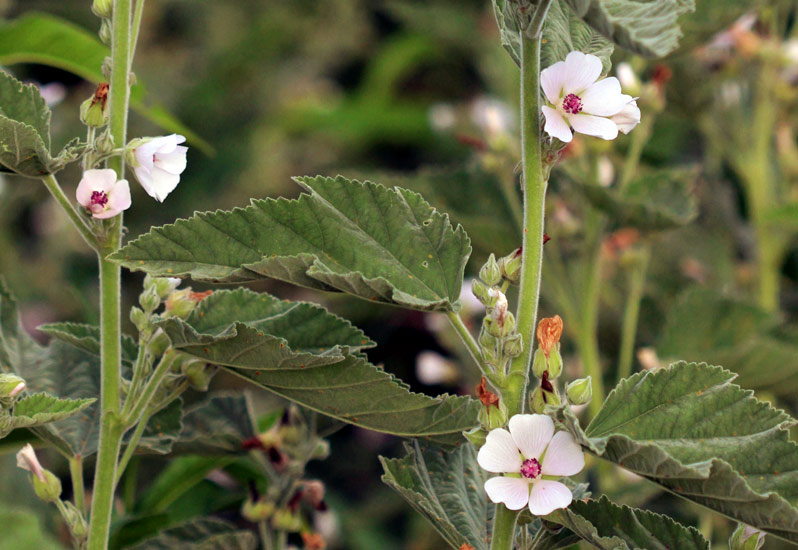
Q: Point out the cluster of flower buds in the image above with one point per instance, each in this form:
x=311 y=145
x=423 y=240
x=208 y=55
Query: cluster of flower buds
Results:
x=11 y=388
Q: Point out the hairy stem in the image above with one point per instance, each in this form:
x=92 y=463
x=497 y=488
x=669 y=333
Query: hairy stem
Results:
x=132 y=445
x=110 y=294
x=143 y=402
x=631 y=313
x=467 y=338
x=503 y=528
x=78 y=221
x=76 y=472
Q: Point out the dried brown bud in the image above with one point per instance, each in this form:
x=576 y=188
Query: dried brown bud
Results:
x=549 y=332
x=488 y=398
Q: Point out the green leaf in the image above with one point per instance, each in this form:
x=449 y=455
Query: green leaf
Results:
x=444 y=487
x=658 y=200
x=177 y=478
x=49 y=40
x=564 y=32
x=782 y=216
x=87 y=338
x=704 y=325
x=23 y=530
x=162 y=430
x=380 y=244
x=203 y=534
x=608 y=526
x=692 y=431
x=24 y=103
x=321 y=373
x=41 y=408
x=219 y=424
x=646 y=27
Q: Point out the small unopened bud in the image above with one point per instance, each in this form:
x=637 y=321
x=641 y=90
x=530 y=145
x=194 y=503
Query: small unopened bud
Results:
x=499 y=312
x=511 y=266
x=180 y=304
x=94 y=111
x=491 y=273
x=540 y=398
x=140 y=319
x=493 y=416
x=476 y=436
x=746 y=537
x=75 y=521
x=549 y=333
x=580 y=391
x=487 y=340
x=199 y=374
x=479 y=290
x=514 y=346
x=11 y=387
x=257 y=510
x=158 y=344
x=102 y=8
x=539 y=363
x=286 y=520
x=46 y=485
x=321 y=451
x=149 y=300
x=163 y=286
x=106 y=33
x=555 y=362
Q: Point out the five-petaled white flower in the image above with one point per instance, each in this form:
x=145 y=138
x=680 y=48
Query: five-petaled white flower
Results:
x=158 y=163
x=26 y=459
x=579 y=101
x=531 y=456
x=100 y=193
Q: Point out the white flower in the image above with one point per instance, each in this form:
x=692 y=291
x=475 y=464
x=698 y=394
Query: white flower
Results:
x=101 y=193
x=580 y=102
x=530 y=455
x=26 y=459
x=433 y=368
x=158 y=163
x=493 y=116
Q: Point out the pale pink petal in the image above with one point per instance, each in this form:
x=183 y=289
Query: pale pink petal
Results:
x=604 y=98
x=581 y=70
x=548 y=496
x=594 y=126
x=144 y=153
x=531 y=433
x=556 y=126
x=552 y=79
x=106 y=179
x=628 y=118
x=84 y=191
x=499 y=454
x=564 y=457
x=174 y=162
x=512 y=491
x=163 y=183
x=119 y=198
x=26 y=459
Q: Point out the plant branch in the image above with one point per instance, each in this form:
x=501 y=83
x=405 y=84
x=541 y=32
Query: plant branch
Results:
x=144 y=400
x=631 y=314
x=76 y=472
x=467 y=338
x=78 y=221
x=503 y=528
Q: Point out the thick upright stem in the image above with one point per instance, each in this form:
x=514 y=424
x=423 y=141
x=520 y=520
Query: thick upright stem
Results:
x=534 y=202
x=110 y=294
x=503 y=528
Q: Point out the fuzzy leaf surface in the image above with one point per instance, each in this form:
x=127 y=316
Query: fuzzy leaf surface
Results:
x=87 y=338
x=645 y=27
x=219 y=424
x=564 y=32
x=692 y=431
x=202 y=534
x=608 y=526
x=41 y=408
x=444 y=487
x=289 y=354
x=379 y=244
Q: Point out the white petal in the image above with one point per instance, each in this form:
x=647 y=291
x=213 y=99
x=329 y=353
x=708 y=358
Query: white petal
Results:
x=512 y=491
x=144 y=175
x=94 y=180
x=499 y=454
x=531 y=433
x=119 y=198
x=551 y=80
x=581 y=70
x=174 y=162
x=594 y=126
x=564 y=457
x=548 y=496
x=604 y=98
x=163 y=183
x=556 y=126
x=628 y=118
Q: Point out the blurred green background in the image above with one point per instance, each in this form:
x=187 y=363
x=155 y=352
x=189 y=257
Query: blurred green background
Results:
x=413 y=93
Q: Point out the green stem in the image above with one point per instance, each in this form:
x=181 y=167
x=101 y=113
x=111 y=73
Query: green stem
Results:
x=265 y=537
x=78 y=221
x=639 y=139
x=138 y=375
x=132 y=444
x=503 y=528
x=534 y=203
x=539 y=536
x=129 y=487
x=136 y=27
x=143 y=402
x=110 y=288
x=76 y=471
x=280 y=540
x=631 y=314
x=467 y=338
x=510 y=191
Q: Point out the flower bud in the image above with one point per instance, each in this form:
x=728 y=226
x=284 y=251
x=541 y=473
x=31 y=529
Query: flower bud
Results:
x=555 y=362
x=500 y=307
x=286 y=520
x=49 y=489
x=510 y=266
x=514 y=345
x=75 y=521
x=199 y=374
x=540 y=398
x=106 y=33
x=321 y=451
x=257 y=510
x=493 y=416
x=539 y=363
x=11 y=387
x=491 y=273
x=549 y=332
x=580 y=391
x=487 y=340
x=746 y=537
x=102 y=8
x=180 y=304
x=140 y=319
x=476 y=436
x=163 y=286
x=158 y=344
x=149 y=299
x=481 y=292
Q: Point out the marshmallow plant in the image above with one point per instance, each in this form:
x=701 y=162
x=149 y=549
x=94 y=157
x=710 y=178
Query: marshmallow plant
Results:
x=504 y=470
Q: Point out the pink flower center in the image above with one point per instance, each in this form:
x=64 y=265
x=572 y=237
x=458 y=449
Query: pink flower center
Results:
x=530 y=469
x=99 y=198
x=572 y=104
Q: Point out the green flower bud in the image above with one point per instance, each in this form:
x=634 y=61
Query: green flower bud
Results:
x=746 y=538
x=257 y=510
x=537 y=404
x=491 y=273
x=492 y=417
x=106 y=32
x=555 y=362
x=180 y=304
x=476 y=436
x=286 y=520
x=514 y=345
x=140 y=319
x=199 y=374
x=158 y=344
x=487 y=340
x=11 y=387
x=163 y=286
x=102 y=8
x=149 y=299
x=321 y=451
x=92 y=114
x=481 y=292
x=580 y=391
x=539 y=363
x=49 y=488
x=75 y=521
x=510 y=266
